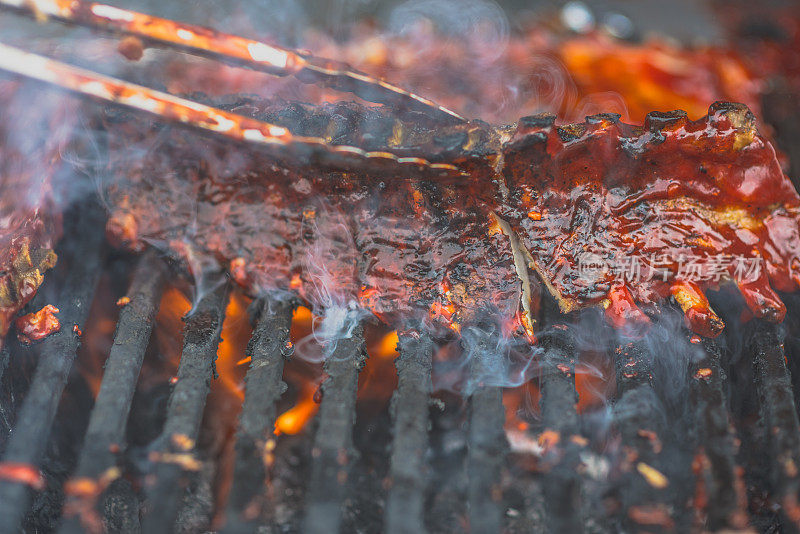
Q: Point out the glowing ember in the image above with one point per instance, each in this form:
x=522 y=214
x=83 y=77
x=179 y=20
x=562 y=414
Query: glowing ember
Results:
x=652 y=515
x=22 y=473
x=549 y=439
x=185 y=460
x=37 y=325
x=703 y=373
x=653 y=476
x=91 y=488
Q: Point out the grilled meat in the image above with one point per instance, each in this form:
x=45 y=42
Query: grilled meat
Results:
x=335 y=203
x=696 y=204
x=397 y=247
x=30 y=222
x=613 y=214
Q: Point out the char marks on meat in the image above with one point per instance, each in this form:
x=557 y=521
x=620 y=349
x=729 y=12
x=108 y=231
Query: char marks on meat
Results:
x=536 y=196
x=398 y=247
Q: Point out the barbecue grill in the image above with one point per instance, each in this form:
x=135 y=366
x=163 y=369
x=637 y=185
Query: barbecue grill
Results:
x=697 y=434
x=736 y=446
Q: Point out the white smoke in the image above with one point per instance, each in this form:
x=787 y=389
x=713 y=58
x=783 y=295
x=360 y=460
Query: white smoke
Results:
x=480 y=25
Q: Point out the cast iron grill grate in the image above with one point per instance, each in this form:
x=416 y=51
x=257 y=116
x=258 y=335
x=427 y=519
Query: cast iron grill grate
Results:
x=704 y=478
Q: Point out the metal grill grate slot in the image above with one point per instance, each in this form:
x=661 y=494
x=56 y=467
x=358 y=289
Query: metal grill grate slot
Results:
x=173 y=453
x=648 y=494
x=716 y=440
x=268 y=349
x=332 y=452
x=486 y=439
x=56 y=353
x=404 y=511
x=562 y=486
x=105 y=436
x=774 y=387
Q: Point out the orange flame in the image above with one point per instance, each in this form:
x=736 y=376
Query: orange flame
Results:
x=236 y=331
x=167 y=336
x=386 y=348
x=293 y=420
x=302 y=320
x=378 y=379
x=174 y=306
x=98 y=336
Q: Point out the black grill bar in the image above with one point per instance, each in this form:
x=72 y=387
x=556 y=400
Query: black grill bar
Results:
x=6 y=418
x=121 y=508
x=268 y=349
x=716 y=440
x=5 y=355
x=82 y=256
x=173 y=454
x=765 y=346
x=486 y=439
x=562 y=484
x=105 y=435
x=644 y=503
x=404 y=509
x=333 y=442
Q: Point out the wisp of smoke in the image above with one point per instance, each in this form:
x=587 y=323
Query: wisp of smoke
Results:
x=480 y=25
x=331 y=290
x=547 y=85
x=486 y=356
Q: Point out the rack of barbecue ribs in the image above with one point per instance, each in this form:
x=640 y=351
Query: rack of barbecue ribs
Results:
x=602 y=213
x=403 y=208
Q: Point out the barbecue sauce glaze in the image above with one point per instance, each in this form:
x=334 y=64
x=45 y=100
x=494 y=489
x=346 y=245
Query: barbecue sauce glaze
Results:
x=671 y=208
x=694 y=204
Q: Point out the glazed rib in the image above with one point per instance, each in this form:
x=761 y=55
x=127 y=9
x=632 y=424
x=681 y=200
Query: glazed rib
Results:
x=396 y=248
x=673 y=190
x=694 y=203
